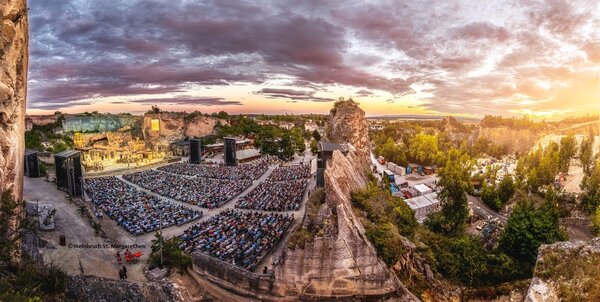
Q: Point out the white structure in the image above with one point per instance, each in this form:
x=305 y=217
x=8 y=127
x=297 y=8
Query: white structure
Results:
x=286 y=125
x=399 y=170
x=424 y=205
x=423 y=189
x=311 y=126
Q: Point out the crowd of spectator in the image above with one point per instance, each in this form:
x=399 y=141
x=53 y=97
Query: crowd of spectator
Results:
x=203 y=192
x=241 y=238
x=274 y=196
x=135 y=211
x=251 y=171
x=294 y=172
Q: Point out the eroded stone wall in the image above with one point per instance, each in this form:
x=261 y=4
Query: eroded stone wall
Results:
x=13 y=89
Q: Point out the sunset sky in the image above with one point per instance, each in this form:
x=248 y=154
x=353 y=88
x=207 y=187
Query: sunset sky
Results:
x=468 y=58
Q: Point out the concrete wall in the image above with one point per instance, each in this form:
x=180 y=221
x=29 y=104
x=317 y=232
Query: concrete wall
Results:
x=237 y=280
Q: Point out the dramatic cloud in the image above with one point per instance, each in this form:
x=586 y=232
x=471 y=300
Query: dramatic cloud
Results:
x=190 y=100
x=291 y=94
x=463 y=57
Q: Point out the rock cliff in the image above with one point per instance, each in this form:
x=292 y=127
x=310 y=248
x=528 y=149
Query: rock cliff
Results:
x=174 y=126
x=567 y=271
x=347 y=124
x=340 y=262
x=91 y=288
x=40 y=120
x=516 y=140
x=13 y=88
x=99 y=122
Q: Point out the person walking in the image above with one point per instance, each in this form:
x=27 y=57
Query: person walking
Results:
x=124 y=272
x=121 y=276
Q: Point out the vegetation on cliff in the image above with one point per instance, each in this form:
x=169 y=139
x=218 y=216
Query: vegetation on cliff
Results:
x=311 y=227
x=490 y=121
x=386 y=219
x=570 y=269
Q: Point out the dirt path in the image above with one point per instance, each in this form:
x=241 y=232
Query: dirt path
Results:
x=85 y=252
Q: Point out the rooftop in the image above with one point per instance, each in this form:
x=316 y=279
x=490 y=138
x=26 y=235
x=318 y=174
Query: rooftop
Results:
x=422 y=201
x=67 y=153
x=422 y=188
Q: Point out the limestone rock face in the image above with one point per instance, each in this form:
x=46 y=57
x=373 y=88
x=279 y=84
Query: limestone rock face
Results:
x=201 y=125
x=174 y=126
x=99 y=123
x=91 y=288
x=567 y=271
x=13 y=88
x=347 y=124
x=515 y=140
x=340 y=263
x=39 y=120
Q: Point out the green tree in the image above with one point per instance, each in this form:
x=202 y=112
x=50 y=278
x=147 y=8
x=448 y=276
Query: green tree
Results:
x=298 y=140
x=33 y=140
x=316 y=135
x=172 y=256
x=527 y=228
x=221 y=114
x=591 y=190
x=568 y=149
x=314 y=146
x=586 y=154
x=596 y=222
x=422 y=147
x=392 y=152
x=506 y=189
x=387 y=241
x=454 y=183
x=540 y=166
x=490 y=197
x=286 y=145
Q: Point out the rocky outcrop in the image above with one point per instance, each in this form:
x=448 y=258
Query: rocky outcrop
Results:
x=13 y=88
x=347 y=124
x=340 y=262
x=91 y=288
x=39 y=120
x=567 y=271
x=515 y=140
x=173 y=126
x=99 y=122
x=200 y=125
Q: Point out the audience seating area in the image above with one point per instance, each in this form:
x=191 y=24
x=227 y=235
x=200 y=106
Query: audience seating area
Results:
x=241 y=238
x=274 y=196
x=249 y=171
x=203 y=192
x=295 y=172
x=135 y=211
